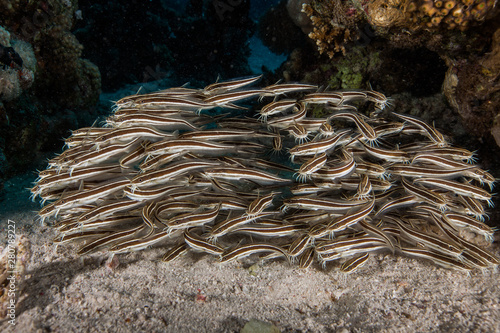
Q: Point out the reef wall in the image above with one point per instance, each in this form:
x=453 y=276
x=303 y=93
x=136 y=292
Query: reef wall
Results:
x=46 y=87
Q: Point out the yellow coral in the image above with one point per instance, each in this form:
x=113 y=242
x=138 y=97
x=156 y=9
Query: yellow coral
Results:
x=415 y=14
x=387 y=13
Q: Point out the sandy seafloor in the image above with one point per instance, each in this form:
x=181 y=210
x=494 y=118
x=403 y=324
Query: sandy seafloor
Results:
x=67 y=293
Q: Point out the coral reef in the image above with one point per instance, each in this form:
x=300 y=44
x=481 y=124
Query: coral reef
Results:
x=46 y=26
x=473 y=89
x=449 y=14
x=16 y=77
x=387 y=13
x=354 y=69
x=4 y=37
x=428 y=14
x=416 y=42
x=170 y=170
x=43 y=78
x=335 y=23
x=339 y=23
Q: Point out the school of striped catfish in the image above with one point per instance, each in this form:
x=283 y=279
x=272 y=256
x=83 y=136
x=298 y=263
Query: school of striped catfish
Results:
x=285 y=171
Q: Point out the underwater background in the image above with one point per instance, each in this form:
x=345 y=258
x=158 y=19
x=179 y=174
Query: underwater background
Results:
x=63 y=63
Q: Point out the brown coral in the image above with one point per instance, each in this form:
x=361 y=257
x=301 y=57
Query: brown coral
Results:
x=388 y=13
x=335 y=23
x=428 y=14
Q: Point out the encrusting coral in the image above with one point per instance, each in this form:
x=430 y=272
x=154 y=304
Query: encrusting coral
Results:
x=449 y=14
x=167 y=170
x=336 y=22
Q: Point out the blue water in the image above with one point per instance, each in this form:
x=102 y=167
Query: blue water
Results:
x=261 y=56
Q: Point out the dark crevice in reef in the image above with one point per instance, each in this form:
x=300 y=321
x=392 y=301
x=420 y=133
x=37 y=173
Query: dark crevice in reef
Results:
x=420 y=71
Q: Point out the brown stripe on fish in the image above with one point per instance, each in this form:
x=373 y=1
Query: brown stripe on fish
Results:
x=175 y=252
x=473 y=249
x=199 y=244
x=353 y=264
x=271 y=230
x=225 y=86
x=386 y=154
x=458 y=188
x=285 y=88
x=378 y=98
x=138 y=244
x=189 y=220
x=314 y=203
x=316 y=147
x=471 y=224
x=374 y=230
x=194 y=146
x=431 y=241
x=420 y=171
x=224 y=227
x=365 y=189
x=248 y=249
x=340 y=224
x=311 y=166
x=157 y=121
x=458 y=154
x=424 y=194
x=431 y=132
x=229 y=97
x=248 y=174
x=306 y=258
x=108 y=240
x=438 y=258
x=128 y=134
x=339 y=245
x=108 y=209
x=151 y=178
x=335 y=98
x=366 y=130
x=299 y=132
x=285 y=121
x=90 y=196
x=399 y=202
x=258 y=205
x=276 y=107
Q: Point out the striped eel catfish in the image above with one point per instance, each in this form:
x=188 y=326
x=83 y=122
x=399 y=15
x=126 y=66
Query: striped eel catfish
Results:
x=256 y=174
